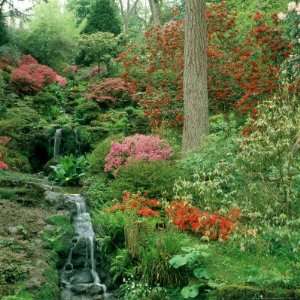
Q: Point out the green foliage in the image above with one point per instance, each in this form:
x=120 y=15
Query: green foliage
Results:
x=154 y=178
x=52 y=35
x=103 y=17
x=59 y=238
x=86 y=112
x=81 y=9
x=97 y=158
x=193 y=259
x=126 y=121
x=98 y=47
x=156 y=249
x=3 y=30
x=69 y=170
x=95 y=192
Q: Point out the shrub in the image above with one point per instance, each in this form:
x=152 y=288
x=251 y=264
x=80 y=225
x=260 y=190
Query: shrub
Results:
x=212 y=226
x=111 y=92
x=142 y=206
x=155 y=178
x=97 y=158
x=97 y=48
x=136 y=147
x=3 y=165
x=87 y=112
x=31 y=77
x=126 y=121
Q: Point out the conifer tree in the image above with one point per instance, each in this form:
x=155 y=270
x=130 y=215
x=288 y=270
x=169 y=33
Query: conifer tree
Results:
x=103 y=17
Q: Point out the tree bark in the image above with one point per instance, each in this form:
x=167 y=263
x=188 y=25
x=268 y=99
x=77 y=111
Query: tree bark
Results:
x=155 y=12
x=195 y=76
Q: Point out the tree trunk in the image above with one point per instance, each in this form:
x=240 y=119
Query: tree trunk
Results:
x=195 y=76
x=155 y=12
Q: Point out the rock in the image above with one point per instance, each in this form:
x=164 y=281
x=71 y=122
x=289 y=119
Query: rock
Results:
x=54 y=198
x=34 y=283
x=12 y=229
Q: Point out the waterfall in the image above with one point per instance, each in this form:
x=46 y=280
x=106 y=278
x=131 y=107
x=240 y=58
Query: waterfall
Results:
x=80 y=279
x=57 y=143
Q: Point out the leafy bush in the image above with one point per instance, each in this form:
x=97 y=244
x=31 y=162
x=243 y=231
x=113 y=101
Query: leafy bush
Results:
x=97 y=48
x=87 y=112
x=134 y=148
x=126 y=121
x=69 y=170
x=97 y=157
x=155 y=178
x=31 y=77
x=111 y=92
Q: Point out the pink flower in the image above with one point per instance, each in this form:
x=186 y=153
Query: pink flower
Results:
x=61 y=80
x=3 y=165
x=137 y=147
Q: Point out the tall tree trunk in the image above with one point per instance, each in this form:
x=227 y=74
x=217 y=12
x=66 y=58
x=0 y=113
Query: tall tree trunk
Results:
x=195 y=76
x=155 y=12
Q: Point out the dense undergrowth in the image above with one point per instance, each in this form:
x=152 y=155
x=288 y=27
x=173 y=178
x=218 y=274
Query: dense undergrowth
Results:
x=219 y=223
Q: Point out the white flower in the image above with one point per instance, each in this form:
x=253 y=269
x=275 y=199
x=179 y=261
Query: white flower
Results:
x=298 y=8
x=292 y=6
x=281 y=16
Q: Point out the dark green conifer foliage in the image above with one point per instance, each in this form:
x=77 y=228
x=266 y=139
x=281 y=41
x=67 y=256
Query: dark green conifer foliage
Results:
x=103 y=17
x=3 y=30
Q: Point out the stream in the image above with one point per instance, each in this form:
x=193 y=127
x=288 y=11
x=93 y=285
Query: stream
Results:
x=79 y=278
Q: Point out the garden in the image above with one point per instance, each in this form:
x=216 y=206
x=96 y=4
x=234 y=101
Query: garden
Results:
x=96 y=100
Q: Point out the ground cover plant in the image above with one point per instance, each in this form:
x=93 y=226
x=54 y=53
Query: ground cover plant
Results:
x=183 y=141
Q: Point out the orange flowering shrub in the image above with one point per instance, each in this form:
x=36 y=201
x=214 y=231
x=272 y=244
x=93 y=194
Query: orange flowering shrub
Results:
x=187 y=217
x=142 y=206
x=241 y=70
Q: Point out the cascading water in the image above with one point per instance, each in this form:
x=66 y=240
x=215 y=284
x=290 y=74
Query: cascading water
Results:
x=57 y=142
x=79 y=279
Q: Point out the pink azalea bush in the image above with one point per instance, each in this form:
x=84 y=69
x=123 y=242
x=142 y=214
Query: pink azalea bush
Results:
x=31 y=77
x=134 y=148
x=3 y=165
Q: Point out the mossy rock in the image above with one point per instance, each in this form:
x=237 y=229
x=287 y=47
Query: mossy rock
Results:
x=22 y=188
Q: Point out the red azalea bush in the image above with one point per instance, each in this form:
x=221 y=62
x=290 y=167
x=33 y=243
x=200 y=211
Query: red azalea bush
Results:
x=134 y=148
x=241 y=70
x=3 y=165
x=31 y=77
x=136 y=202
x=187 y=217
x=109 y=91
